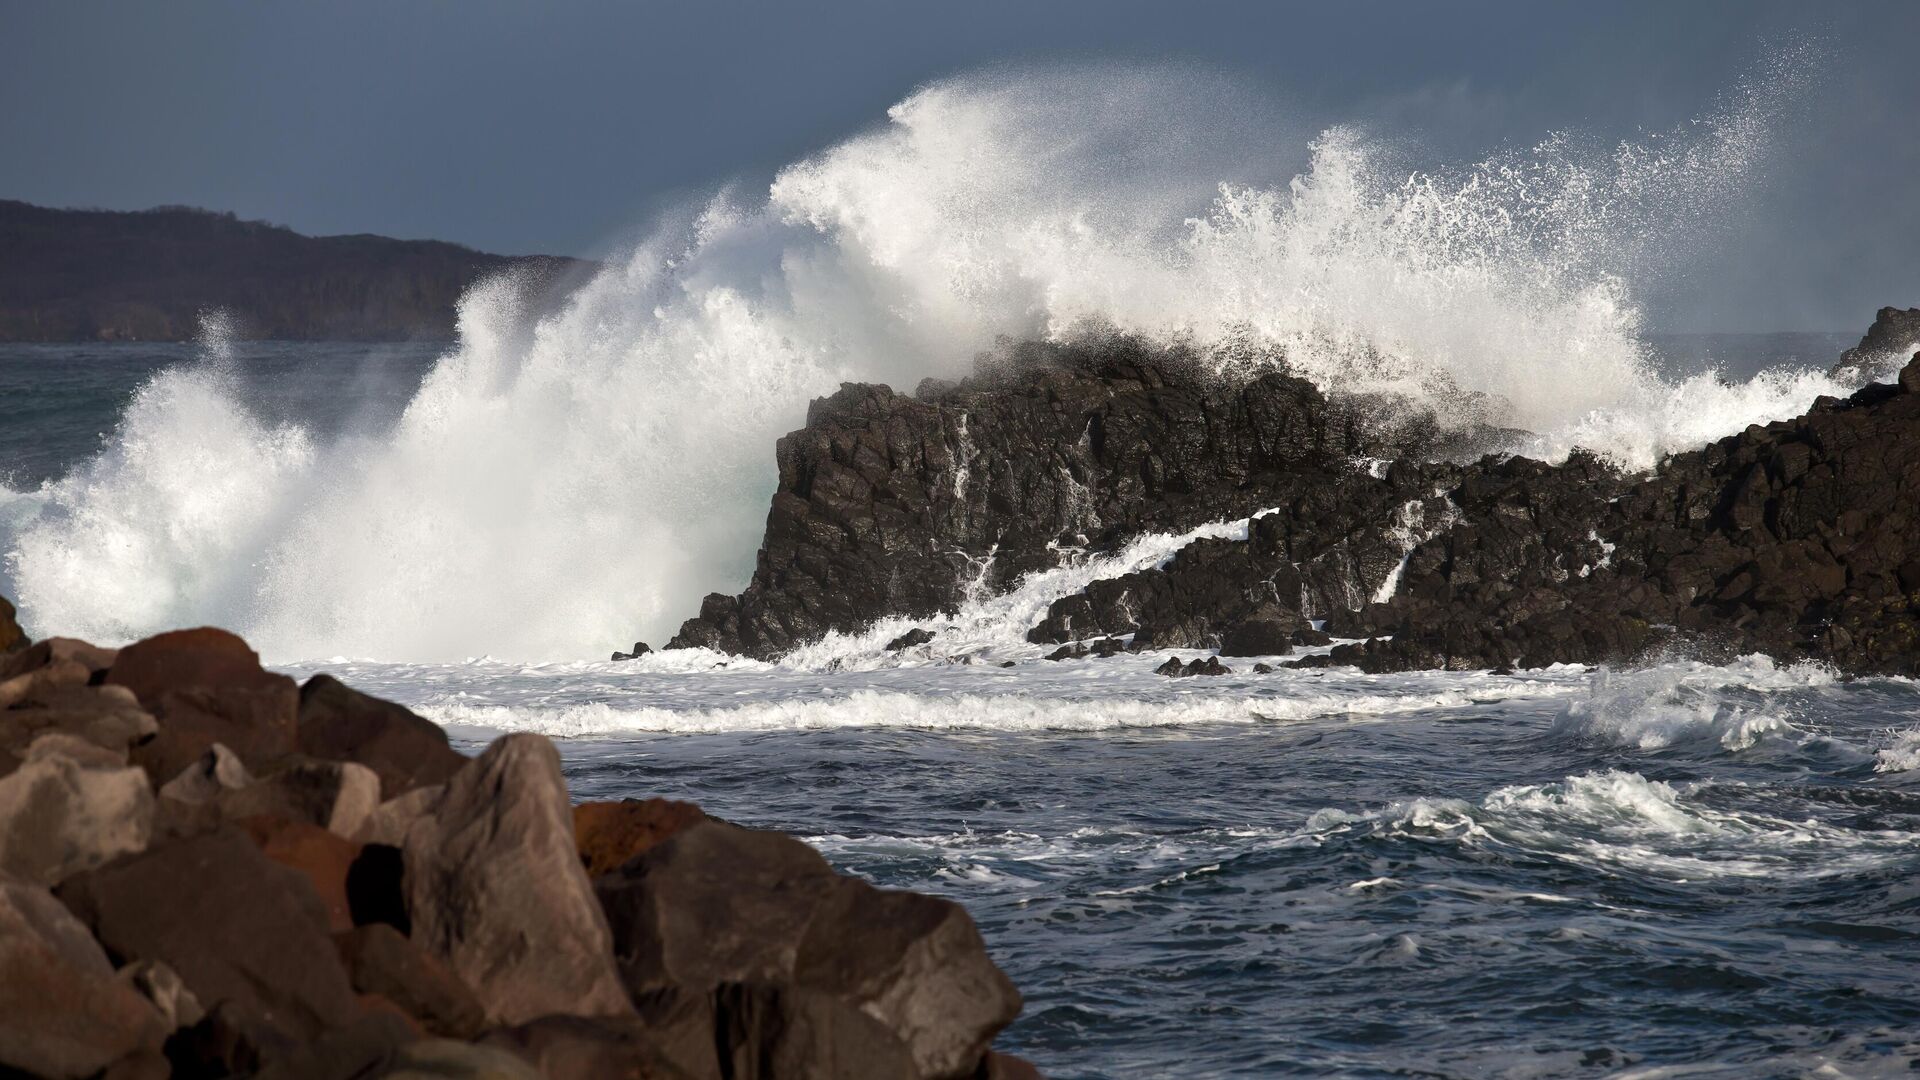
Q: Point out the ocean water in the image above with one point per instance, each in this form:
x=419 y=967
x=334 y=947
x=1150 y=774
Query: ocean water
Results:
x=1681 y=869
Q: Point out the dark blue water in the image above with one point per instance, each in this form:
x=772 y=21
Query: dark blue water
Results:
x=1710 y=870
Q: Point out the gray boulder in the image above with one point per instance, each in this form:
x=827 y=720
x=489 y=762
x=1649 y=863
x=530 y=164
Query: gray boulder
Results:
x=64 y=810
x=495 y=888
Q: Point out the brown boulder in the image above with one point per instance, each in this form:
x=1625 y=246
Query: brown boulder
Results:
x=206 y=686
x=610 y=833
x=381 y=960
x=718 y=905
x=53 y=651
x=247 y=936
x=63 y=1013
x=324 y=859
x=495 y=888
x=406 y=751
x=61 y=814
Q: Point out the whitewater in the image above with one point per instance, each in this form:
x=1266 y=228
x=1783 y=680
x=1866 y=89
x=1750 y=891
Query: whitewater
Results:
x=1685 y=868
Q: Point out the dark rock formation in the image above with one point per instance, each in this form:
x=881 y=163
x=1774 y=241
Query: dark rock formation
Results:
x=1798 y=538
x=897 y=505
x=86 y=275
x=1894 y=335
x=640 y=649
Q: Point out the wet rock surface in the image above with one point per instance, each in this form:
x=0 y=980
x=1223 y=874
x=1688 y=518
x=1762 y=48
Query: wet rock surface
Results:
x=890 y=504
x=340 y=894
x=1798 y=538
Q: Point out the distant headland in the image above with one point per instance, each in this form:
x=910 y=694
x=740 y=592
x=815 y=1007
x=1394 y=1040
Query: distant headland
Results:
x=99 y=275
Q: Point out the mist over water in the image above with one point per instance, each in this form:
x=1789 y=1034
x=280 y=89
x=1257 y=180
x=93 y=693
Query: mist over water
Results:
x=562 y=483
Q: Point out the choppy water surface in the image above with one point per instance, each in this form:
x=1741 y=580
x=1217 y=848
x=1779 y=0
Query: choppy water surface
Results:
x=1705 y=869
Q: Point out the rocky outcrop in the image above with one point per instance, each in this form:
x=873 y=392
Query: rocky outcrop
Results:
x=1795 y=538
x=272 y=912
x=1893 y=337
x=891 y=504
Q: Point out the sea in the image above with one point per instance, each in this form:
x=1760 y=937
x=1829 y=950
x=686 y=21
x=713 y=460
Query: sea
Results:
x=1680 y=869
x=1676 y=868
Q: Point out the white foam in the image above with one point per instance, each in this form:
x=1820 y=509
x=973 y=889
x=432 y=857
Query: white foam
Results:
x=1687 y=701
x=561 y=485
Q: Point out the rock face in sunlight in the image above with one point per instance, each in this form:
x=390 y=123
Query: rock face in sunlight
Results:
x=897 y=505
x=1894 y=335
x=1797 y=538
x=341 y=894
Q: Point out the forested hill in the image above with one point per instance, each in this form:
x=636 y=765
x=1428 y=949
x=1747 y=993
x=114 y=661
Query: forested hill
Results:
x=92 y=275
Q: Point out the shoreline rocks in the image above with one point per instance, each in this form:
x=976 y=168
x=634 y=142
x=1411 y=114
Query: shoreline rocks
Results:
x=325 y=890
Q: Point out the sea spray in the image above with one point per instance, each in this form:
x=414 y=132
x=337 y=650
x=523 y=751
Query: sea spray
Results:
x=561 y=483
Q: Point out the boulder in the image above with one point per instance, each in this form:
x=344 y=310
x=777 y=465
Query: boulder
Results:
x=640 y=649
x=206 y=686
x=717 y=905
x=381 y=960
x=1910 y=376
x=607 y=834
x=338 y=796
x=1260 y=637
x=323 y=858
x=404 y=750
x=162 y=987
x=107 y=716
x=61 y=814
x=218 y=772
x=63 y=1011
x=495 y=888
x=247 y=936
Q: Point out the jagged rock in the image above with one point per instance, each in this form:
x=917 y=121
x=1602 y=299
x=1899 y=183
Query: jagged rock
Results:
x=247 y=937
x=1175 y=669
x=380 y=960
x=718 y=905
x=404 y=750
x=1263 y=669
x=47 y=688
x=1172 y=668
x=640 y=649
x=1910 y=375
x=11 y=636
x=890 y=505
x=1261 y=637
x=60 y=814
x=607 y=834
x=495 y=888
x=1894 y=335
x=63 y=1011
x=916 y=636
x=206 y=686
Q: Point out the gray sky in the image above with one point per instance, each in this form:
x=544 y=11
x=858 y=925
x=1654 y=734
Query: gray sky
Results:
x=559 y=126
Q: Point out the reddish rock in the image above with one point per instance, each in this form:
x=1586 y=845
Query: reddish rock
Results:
x=495 y=888
x=718 y=905
x=382 y=961
x=322 y=858
x=206 y=686
x=404 y=750
x=63 y=1013
x=610 y=833
x=247 y=936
